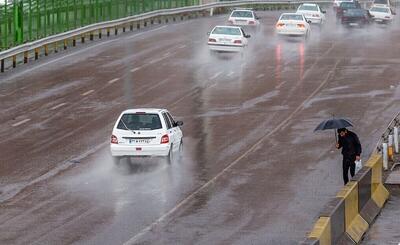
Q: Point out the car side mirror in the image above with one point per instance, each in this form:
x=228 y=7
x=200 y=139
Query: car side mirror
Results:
x=247 y=36
x=208 y=33
x=309 y=21
x=179 y=123
x=257 y=18
x=323 y=11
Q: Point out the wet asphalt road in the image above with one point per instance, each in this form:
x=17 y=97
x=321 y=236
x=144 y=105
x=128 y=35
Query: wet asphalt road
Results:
x=253 y=171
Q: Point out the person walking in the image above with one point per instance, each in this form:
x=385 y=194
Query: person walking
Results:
x=351 y=151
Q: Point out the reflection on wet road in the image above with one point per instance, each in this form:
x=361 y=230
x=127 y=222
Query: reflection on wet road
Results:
x=253 y=171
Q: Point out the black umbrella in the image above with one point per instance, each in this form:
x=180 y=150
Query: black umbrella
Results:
x=334 y=123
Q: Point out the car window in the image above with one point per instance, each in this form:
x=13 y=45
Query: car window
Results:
x=291 y=17
x=171 y=119
x=227 y=31
x=136 y=121
x=166 y=119
x=348 y=5
x=355 y=12
x=242 y=14
x=381 y=10
x=308 y=7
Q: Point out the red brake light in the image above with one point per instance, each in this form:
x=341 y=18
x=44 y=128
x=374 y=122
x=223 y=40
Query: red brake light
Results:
x=114 y=139
x=251 y=22
x=301 y=25
x=237 y=41
x=280 y=25
x=212 y=40
x=165 y=139
x=387 y=17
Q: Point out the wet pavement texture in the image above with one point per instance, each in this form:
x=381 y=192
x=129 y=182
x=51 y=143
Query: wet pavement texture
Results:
x=252 y=172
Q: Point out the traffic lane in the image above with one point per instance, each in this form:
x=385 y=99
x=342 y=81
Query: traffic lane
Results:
x=289 y=87
x=55 y=100
x=274 y=195
x=197 y=88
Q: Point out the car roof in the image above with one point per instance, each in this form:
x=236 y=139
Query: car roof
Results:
x=146 y=110
x=291 y=14
x=310 y=4
x=236 y=27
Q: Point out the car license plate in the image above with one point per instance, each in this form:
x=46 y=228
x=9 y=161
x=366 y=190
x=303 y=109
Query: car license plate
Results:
x=224 y=40
x=354 y=24
x=378 y=20
x=136 y=141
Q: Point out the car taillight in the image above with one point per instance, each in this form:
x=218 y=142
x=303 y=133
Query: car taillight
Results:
x=387 y=17
x=315 y=15
x=114 y=139
x=344 y=18
x=165 y=139
x=280 y=25
x=301 y=25
x=212 y=40
x=251 y=22
x=237 y=41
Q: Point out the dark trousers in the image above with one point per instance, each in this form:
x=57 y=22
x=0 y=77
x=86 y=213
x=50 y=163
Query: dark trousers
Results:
x=348 y=162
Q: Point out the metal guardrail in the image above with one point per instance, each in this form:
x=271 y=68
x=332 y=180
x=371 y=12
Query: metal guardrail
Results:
x=127 y=22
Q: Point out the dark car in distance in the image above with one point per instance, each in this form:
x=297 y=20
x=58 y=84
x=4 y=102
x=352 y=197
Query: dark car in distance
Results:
x=344 y=6
x=356 y=17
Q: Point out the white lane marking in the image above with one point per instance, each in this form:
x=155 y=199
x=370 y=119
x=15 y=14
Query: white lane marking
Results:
x=260 y=76
x=142 y=33
x=58 y=106
x=21 y=122
x=113 y=81
x=136 y=69
x=230 y=73
x=77 y=52
x=167 y=54
x=182 y=46
x=216 y=75
x=88 y=92
x=252 y=148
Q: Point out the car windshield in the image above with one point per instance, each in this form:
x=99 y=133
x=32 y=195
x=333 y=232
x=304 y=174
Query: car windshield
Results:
x=355 y=12
x=348 y=5
x=381 y=10
x=291 y=17
x=136 y=121
x=308 y=7
x=227 y=31
x=380 y=2
x=242 y=14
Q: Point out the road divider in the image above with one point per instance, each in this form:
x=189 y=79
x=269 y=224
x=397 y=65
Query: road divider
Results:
x=347 y=217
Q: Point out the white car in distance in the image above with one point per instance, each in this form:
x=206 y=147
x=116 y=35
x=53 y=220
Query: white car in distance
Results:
x=381 y=13
x=312 y=12
x=146 y=132
x=293 y=24
x=243 y=17
x=227 y=39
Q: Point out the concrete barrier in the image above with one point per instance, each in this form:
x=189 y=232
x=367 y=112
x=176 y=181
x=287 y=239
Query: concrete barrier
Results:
x=347 y=217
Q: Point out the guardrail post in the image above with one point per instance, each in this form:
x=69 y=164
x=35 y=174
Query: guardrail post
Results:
x=123 y=28
x=14 y=61
x=36 y=53
x=173 y=18
x=138 y=25
x=65 y=44
x=73 y=41
x=211 y=11
x=116 y=31
x=385 y=155
x=144 y=23
x=100 y=34
x=2 y=66
x=91 y=36
x=55 y=47
x=131 y=26
x=83 y=38
x=151 y=22
x=25 y=57
x=390 y=147
x=108 y=32
x=396 y=139
x=46 y=50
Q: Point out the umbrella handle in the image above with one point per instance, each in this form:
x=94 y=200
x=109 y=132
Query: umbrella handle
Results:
x=336 y=136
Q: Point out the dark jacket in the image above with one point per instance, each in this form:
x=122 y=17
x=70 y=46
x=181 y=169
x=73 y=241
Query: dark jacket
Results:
x=350 y=145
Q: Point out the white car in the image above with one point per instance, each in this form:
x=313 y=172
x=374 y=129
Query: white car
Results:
x=227 y=39
x=243 y=17
x=312 y=12
x=336 y=3
x=381 y=13
x=146 y=132
x=292 y=24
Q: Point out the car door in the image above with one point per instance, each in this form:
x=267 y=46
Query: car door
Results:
x=177 y=131
x=170 y=129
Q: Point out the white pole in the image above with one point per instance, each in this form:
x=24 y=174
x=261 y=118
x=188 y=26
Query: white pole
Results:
x=396 y=139
x=385 y=155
